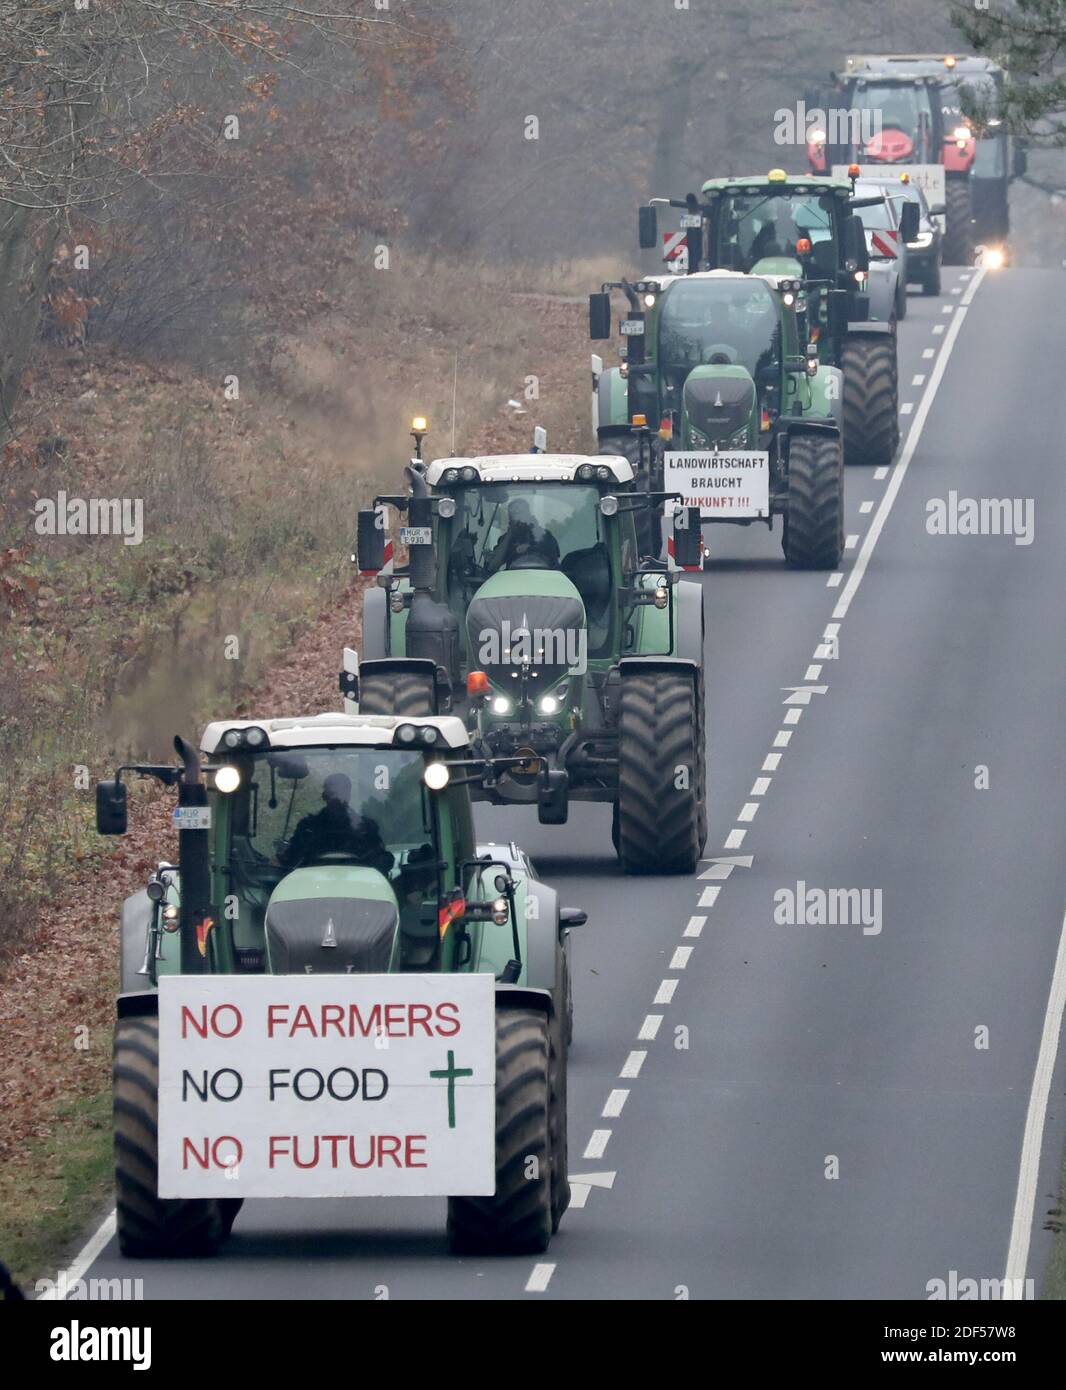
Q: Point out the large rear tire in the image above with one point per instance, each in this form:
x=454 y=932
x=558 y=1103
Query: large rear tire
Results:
x=931 y=279
x=517 y=1219
x=148 y=1225
x=814 y=529
x=659 y=823
x=958 y=236
x=871 y=400
x=407 y=693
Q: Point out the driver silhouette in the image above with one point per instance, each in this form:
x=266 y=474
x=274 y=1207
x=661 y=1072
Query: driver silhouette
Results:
x=524 y=536
x=337 y=829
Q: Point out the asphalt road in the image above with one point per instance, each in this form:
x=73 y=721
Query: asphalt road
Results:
x=808 y=1111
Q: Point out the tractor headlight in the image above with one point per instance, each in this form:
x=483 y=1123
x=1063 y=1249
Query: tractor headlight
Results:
x=228 y=778
x=603 y=473
x=446 y=507
x=450 y=475
x=407 y=734
x=232 y=738
x=469 y=474
x=255 y=737
x=171 y=917
x=548 y=704
x=500 y=704
x=500 y=911
x=662 y=596
x=436 y=776
x=608 y=505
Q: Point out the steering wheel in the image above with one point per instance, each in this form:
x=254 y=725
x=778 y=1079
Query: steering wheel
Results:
x=532 y=560
x=725 y=350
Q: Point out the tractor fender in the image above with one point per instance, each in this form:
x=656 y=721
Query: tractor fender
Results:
x=521 y=997
x=864 y=329
x=142 y=1005
x=882 y=289
x=810 y=424
x=631 y=665
x=136 y=915
x=690 y=622
x=375 y=623
x=827 y=395
x=542 y=936
x=611 y=402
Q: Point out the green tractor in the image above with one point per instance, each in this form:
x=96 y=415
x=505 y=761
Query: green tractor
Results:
x=750 y=417
x=807 y=228
x=336 y=854
x=528 y=608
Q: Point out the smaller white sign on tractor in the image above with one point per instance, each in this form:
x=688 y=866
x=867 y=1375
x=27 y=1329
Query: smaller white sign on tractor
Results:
x=327 y=1086
x=725 y=486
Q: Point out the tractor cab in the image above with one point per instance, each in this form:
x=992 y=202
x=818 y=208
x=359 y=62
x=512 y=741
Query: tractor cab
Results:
x=335 y=844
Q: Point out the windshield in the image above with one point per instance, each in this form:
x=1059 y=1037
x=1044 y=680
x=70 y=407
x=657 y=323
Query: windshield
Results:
x=364 y=806
x=752 y=226
x=521 y=526
x=897 y=106
x=725 y=321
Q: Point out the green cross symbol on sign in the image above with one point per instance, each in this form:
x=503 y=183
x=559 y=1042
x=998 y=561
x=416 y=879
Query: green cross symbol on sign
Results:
x=451 y=1071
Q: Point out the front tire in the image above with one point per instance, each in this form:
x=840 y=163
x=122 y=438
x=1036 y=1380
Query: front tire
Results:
x=931 y=280
x=148 y=1225
x=814 y=534
x=517 y=1219
x=659 y=822
x=871 y=397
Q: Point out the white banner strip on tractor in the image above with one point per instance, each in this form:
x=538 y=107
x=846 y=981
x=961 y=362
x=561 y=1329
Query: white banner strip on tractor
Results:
x=327 y=1086
x=726 y=485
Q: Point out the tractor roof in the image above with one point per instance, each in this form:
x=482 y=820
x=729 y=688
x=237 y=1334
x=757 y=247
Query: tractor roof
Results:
x=665 y=281
x=528 y=468
x=903 y=66
x=333 y=730
x=778 y=182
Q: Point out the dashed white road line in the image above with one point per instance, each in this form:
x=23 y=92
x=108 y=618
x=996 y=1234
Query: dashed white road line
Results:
x=632 y=1065
x=928 y=352
x=760 y=786
x=539 y=1280
x=649 y=1028
x=735 y=839
x=899 y=472
x=939 y=328
x=880 y=474
x=906 y=407
x=680 y=958
x=748 y=811
x=833 y=581
x=771 y=762
x=782 y=737
x=596 y=1145
x=851 y=543
x=695 y=926
x=665 y=993
x=708 y=896
x=792 y=716
x=865 y=507
x=613 y=1106
x=813 y=672
x=918 y=379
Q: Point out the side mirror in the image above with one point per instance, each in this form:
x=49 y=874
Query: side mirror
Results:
x=648 y=228
x=422 y=560
x=111 y=808
x=1019 y=161
x=836 y=309
x=855 y=248
x=370 y=542
x=938 y=210
x=572 y=917
x=909 y=218
x=599 y=317
x=688 y=538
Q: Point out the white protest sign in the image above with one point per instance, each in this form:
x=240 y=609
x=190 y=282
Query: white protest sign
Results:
x=734 y=483
x=327 y=1085
x=928 y=177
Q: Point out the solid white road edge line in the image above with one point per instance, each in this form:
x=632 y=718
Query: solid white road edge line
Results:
x=84 y=1259
x=1033 y=1140
x=914 y=435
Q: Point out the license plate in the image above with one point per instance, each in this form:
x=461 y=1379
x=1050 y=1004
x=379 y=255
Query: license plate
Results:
x=632 y=328
x=416 y=535
x=192 y=817
x=691 y=219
